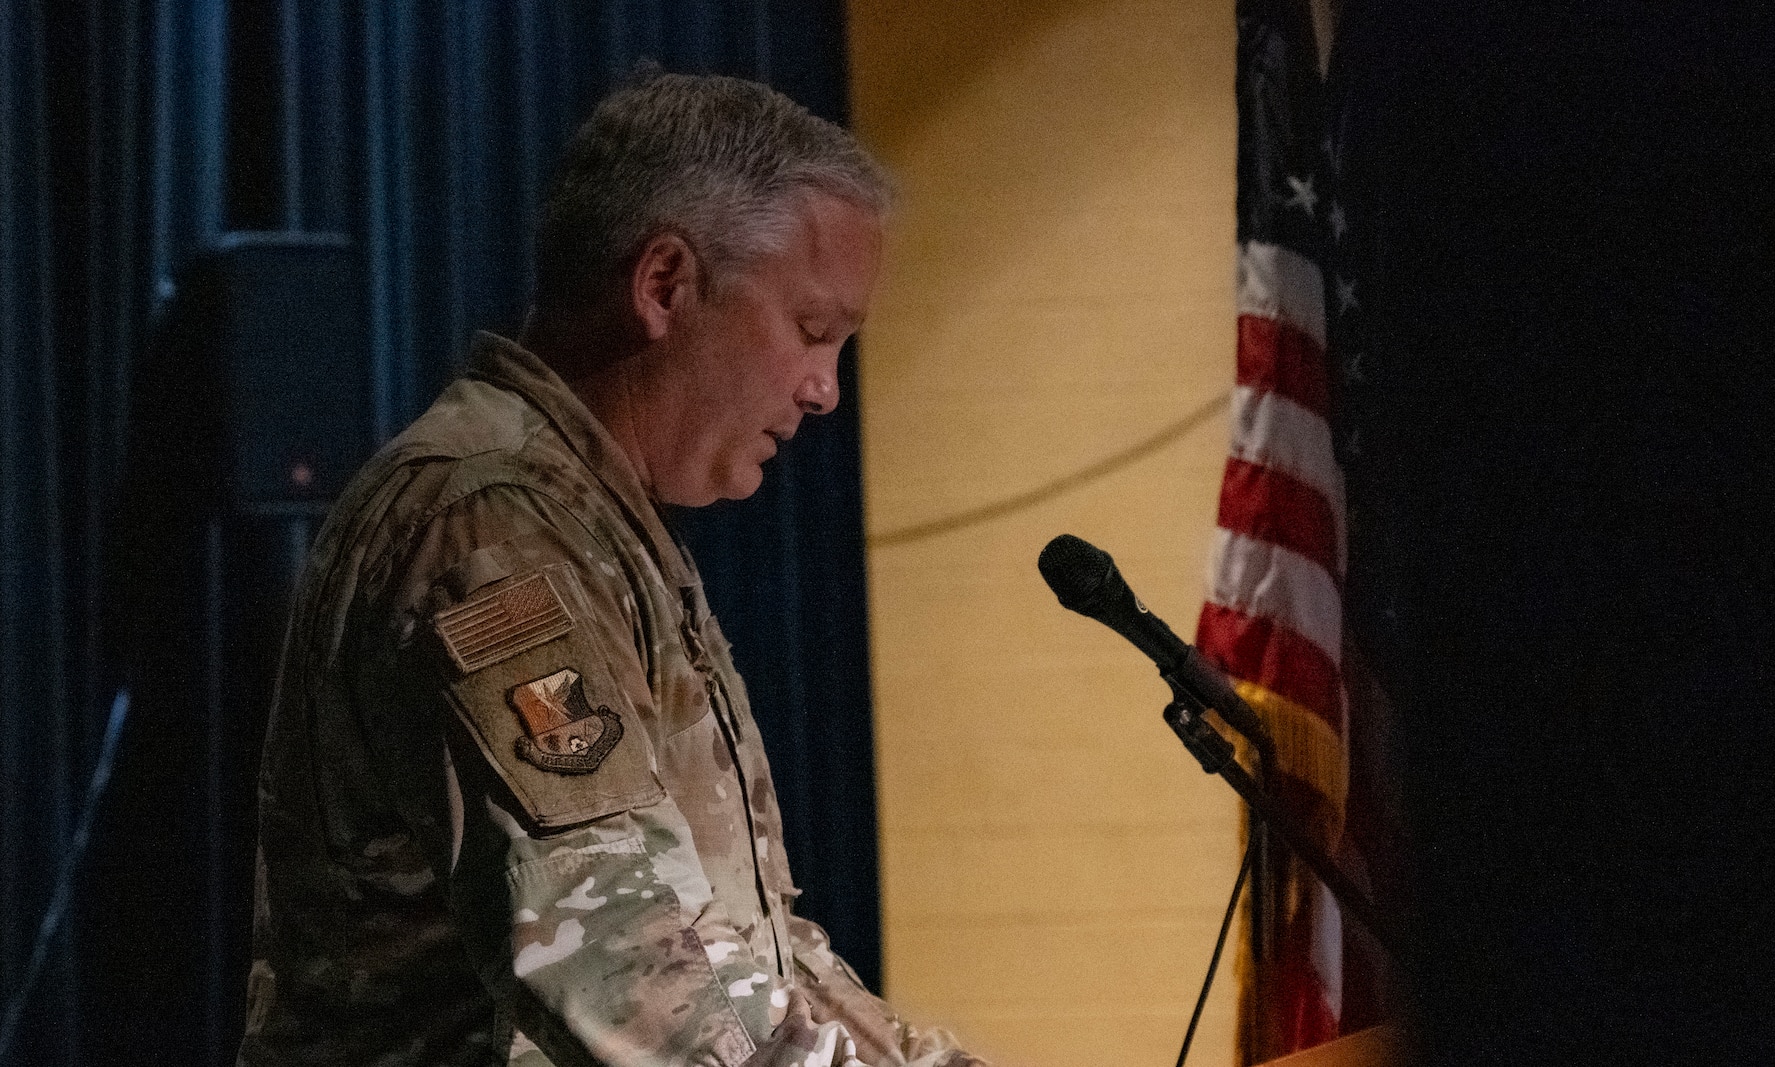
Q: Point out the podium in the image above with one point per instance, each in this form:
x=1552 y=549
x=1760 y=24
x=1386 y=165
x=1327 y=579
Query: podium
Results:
x=1377 y=1046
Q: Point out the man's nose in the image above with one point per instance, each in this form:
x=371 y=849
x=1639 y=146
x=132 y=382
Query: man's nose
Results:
x=819 y=391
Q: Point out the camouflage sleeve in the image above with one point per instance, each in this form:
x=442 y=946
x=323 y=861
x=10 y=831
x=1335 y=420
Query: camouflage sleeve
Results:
x=612 y=951
x=836 y=994
x=579 y=893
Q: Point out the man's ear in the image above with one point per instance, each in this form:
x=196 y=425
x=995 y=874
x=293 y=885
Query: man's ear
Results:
x=663 y=283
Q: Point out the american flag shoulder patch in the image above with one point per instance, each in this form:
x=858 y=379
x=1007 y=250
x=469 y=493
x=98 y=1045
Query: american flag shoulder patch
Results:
x=497 y=626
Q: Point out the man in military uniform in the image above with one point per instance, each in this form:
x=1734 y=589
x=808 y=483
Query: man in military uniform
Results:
x=514 y=807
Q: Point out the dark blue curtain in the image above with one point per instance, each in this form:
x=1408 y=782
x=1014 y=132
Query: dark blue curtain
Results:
x=239 y=244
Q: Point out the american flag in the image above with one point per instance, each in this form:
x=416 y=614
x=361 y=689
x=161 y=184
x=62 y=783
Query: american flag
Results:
x=1273 y=619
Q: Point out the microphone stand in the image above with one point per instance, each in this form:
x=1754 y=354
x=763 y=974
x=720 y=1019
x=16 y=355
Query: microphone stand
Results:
x=1215 y=753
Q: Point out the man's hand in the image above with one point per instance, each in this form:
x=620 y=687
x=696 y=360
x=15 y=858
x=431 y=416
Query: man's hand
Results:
x=801 y=1042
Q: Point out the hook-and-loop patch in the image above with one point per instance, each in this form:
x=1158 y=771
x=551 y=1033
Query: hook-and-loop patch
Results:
x=563 y=732
x=493 y=628
x=550 y=698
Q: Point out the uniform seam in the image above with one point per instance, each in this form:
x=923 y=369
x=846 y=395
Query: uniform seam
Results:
x=401 y=545
x=733 y=1010
x=666 y=895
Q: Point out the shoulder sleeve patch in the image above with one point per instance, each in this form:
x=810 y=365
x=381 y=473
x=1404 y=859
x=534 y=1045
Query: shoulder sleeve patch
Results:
x=563 y=732
x=553 y=714
x=512 y=619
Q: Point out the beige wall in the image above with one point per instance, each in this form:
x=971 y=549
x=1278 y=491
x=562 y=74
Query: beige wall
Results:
x=1058 y=290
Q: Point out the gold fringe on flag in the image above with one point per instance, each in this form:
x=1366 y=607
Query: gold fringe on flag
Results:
x=1312 y=752
x=1309 y=750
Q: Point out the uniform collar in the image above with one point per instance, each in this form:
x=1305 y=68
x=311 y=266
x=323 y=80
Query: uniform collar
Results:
x=509 y=365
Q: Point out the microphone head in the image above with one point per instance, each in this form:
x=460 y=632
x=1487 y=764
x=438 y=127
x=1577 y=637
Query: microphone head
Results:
x=1077 y=571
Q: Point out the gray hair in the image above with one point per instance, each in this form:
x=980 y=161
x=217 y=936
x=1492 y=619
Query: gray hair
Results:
x=724 y=163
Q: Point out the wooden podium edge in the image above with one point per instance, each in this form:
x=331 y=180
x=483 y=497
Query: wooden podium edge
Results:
x=1377 y=1046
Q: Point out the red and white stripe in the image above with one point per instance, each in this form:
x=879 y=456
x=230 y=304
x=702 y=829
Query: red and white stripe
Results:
x=1278 y=565
x=1274 y=612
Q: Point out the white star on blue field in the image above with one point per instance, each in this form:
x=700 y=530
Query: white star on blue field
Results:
x=1304 y=197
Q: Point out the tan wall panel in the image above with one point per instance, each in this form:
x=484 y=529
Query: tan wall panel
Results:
x=1058 y=290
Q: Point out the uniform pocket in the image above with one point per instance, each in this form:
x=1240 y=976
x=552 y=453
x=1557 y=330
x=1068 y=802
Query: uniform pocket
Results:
x=556 y=720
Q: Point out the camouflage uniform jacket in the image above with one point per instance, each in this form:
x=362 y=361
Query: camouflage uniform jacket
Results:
x=513 y=806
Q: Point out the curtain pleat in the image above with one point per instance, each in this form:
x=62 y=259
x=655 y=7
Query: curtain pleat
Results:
x=418 y=138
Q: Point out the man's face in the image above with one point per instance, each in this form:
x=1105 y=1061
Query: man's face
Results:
x=752 y=357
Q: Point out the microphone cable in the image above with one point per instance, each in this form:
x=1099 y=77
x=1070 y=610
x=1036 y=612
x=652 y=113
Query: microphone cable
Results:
x=1226 y=923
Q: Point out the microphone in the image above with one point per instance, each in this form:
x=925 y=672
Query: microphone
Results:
x=1086 y=580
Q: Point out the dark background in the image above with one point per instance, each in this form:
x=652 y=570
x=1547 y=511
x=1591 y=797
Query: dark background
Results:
x=1559 y=452
x=240 y=244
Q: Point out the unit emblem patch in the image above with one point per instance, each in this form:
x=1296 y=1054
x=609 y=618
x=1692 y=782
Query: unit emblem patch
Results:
x=564 y=733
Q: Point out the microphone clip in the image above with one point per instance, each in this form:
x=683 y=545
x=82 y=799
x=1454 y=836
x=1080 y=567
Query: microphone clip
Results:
x=1238 y=716
x=1211 y=748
